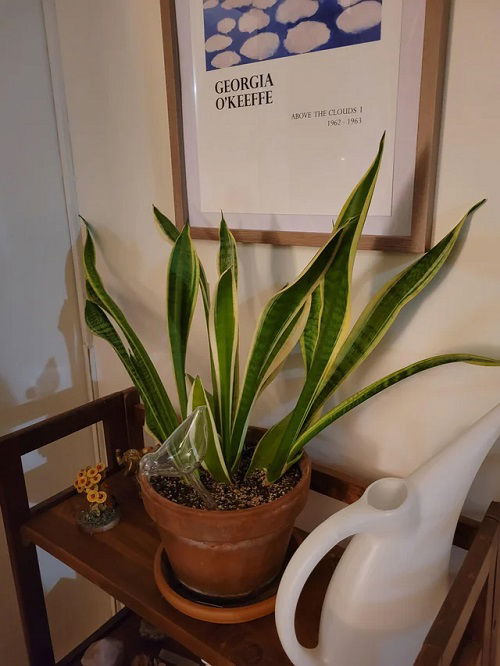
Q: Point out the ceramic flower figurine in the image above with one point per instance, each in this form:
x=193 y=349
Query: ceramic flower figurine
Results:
x=129 y=460
x=101 y=510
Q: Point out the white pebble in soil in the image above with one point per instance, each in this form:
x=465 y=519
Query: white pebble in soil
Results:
x=291 y=11
x=254 y=19
x=226 y=59
x=360 y=17
x=236 y=4
x=261 y=46
x=264 y=4
x=210 y=4
x=226 y=25
x=306 y=36
x=217 y=43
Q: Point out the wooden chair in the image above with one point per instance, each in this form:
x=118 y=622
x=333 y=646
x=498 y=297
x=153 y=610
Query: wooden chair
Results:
x=465 y=631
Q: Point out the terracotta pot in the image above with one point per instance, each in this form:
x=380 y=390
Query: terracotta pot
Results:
x=227 y=553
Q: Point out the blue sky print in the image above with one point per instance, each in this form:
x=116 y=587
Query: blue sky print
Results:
x=238 y=32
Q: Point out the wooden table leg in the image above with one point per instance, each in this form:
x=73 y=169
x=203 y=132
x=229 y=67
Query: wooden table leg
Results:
x=24 y=561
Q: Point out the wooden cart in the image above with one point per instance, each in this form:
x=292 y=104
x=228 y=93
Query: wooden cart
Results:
x=120 y=561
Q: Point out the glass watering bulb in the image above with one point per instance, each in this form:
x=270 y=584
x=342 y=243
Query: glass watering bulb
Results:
x=182 y=453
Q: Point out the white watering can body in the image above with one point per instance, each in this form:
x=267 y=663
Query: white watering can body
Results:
x=394 y=575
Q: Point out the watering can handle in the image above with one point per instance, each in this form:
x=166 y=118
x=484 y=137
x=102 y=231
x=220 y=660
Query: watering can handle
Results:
x=351 y=520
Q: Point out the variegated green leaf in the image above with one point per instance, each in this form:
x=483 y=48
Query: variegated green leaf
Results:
x=360 y=198
x=286 y=342
x=172 y=233
x=335 y=306
x=267 y=446
x=210 y=397
x=334 y=298
x=99 y=325
x=378 y=386
x=310 y=335
x=274 y=321
x=182 y=288
x=167 y=226
x=228 y=256
x=381 y=312
x=214 y=461
x=224 y=344
x=143 y=364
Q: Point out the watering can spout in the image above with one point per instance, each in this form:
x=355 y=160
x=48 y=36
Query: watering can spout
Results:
x=443 y=482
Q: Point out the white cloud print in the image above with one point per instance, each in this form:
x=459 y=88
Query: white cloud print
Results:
x=360 y=17
x=253 y=20
x=226 y=25
x=226 y=59
x=291 y=11
x=241 y=32
x=217 y=43
x=306 y=36
x=261 y=46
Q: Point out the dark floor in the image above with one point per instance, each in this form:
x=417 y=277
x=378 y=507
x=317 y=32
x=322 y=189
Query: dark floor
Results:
x=139 y=651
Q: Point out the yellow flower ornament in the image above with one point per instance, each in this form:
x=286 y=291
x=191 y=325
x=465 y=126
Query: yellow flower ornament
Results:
x=80 y=483
x=101 y=497
x=92 y=496
x=100 y=512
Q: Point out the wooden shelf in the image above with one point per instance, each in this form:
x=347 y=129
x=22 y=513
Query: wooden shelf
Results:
x=121 y=563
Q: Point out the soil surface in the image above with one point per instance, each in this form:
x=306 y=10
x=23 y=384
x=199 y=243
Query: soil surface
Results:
x=242 y=494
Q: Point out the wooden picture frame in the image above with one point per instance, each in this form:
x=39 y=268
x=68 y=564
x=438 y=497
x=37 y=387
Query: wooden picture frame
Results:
x=437 y=14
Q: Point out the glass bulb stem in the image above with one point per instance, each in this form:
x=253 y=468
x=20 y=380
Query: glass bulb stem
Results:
x=195 y=482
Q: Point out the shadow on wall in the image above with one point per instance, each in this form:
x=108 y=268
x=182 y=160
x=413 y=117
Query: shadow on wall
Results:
x=89 y=606
x=47 y=471
x=44 y=397
x=53 y=467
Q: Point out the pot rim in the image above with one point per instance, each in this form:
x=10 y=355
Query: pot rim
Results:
x=305 y=468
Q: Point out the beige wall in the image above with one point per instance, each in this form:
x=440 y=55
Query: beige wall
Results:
x=113 y=67
x=42 y=360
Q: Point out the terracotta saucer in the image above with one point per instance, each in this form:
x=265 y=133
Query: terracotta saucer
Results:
x=213 y=609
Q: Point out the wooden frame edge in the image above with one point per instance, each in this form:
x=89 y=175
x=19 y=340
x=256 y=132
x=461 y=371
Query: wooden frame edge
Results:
x=174 y=109
x=435 y=48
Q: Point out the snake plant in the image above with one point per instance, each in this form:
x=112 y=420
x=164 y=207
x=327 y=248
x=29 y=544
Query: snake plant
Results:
x=313 y=310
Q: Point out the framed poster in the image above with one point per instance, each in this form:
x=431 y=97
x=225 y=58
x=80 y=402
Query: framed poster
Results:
x=276 y=109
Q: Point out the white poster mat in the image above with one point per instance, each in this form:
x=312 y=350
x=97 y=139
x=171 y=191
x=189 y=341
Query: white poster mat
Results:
x=270 y=170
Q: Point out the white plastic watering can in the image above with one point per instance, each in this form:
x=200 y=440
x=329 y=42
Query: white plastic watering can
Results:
x=394 y=575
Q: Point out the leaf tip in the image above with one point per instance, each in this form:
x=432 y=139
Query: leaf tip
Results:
x=476 y=206
x=223 y=224
x=185 y=232
x=87 y=224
